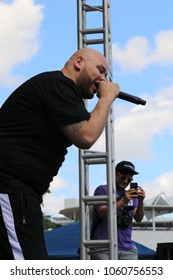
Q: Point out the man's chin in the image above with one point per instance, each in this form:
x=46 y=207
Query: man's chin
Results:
x=89 y=96
x=122 y=186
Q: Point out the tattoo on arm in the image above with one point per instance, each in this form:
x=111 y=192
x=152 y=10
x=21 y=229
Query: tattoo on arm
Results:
x=77 y=126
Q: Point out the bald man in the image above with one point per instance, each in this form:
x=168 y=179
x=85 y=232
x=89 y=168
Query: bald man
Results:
x=38 y=122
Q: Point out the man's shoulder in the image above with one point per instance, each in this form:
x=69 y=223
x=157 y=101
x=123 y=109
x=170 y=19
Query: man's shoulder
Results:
x=101 y=189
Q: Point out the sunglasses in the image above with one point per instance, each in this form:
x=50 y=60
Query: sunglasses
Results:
x=125 y=177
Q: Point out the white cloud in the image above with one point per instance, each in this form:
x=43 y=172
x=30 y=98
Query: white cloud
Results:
x=136 y=129
x=138 y=54
x=159 y=184
x=57 y=183
x=163 y=52
x=51 y=203
x=19 y=27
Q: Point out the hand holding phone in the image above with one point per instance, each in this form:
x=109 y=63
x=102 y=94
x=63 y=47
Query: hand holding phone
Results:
x=134 y=186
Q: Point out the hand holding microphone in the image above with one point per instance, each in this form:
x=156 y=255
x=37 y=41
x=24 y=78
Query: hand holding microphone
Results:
x=108 y=86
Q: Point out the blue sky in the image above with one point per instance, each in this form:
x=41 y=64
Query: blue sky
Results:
x=41 y=35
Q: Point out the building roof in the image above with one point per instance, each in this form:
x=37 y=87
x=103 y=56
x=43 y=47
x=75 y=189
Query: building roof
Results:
x=159 y=205
x=160 y=199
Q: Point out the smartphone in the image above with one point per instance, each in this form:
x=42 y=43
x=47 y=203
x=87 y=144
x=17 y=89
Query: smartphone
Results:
x=134 y=185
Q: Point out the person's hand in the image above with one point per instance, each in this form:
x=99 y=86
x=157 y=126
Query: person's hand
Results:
x=131 y=194
x=141 y=194
x=108 y=90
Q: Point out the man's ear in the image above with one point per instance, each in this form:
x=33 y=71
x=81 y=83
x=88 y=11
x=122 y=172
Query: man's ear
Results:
x=79 y=62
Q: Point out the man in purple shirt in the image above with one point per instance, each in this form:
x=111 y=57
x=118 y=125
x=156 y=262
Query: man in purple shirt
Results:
x=129 y=205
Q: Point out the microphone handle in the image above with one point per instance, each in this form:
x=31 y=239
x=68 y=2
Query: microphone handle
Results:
x=131 y=98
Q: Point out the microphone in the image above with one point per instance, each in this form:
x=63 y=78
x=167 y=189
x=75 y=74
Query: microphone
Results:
x=131 y=98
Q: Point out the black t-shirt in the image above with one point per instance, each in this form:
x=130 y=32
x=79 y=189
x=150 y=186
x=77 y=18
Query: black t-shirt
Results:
x=32 y=147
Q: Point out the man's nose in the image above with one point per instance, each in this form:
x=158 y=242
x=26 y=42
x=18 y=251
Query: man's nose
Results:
x=103 y=77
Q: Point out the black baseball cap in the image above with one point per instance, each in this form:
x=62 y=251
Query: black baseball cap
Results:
x=126 y=167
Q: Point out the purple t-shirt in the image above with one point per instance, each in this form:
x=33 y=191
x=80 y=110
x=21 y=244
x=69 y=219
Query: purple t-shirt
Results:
x=99 y=229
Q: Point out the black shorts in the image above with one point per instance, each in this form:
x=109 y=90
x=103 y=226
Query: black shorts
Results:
x=21 y=228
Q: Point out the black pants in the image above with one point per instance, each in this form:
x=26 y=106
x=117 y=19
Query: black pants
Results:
x=21 y=228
